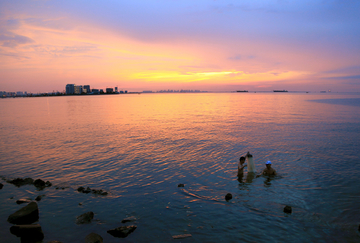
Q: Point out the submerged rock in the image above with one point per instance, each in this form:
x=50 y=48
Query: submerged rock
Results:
x=181 y=185
x=181 y=236
x=88 y=190
x=228 y=197
x=93 y=238
x=85 y=218
x=1 y=185
x=28 y=233
x=39 y=183
x=38 y=198
x=81 y=189
x=128 y=219
x=287 y=209
x=26 y=215
x=21 y=182
x=123 y=231
x=23 y=200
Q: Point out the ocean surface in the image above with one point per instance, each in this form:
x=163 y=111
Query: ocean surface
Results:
x=139 y=147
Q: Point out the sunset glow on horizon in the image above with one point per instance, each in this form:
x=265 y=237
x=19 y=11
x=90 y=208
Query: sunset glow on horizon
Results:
x=206 y=45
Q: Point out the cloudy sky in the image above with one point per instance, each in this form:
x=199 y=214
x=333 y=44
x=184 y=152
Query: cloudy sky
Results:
x=304 y=45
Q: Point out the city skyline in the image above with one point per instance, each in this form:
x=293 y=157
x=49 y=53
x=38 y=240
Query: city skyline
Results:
x=160 y=45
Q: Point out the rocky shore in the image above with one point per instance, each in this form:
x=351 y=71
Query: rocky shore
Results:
x=26 y=220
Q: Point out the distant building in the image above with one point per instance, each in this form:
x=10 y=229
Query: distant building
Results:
x=78 y=89
x=95 y=91
x=87 y=88
x=101 y=91
x=116 y=89
x=109 y=90
x=147 y=91
x=70 y=89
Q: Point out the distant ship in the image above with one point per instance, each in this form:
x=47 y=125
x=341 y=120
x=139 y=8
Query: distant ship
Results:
x=242 y=91
x=322 y=91
x=280 y=90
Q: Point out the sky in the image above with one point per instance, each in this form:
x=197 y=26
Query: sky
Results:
x=255 y=45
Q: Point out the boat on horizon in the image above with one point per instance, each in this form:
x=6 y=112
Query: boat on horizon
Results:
x=242 y=91
x=280 y=90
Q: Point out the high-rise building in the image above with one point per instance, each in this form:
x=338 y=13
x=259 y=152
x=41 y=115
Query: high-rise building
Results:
x=87 y=88
x=78 y=89
x=70 y=89
x=109 y=90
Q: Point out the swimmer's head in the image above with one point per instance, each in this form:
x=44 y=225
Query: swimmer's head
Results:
x=268 y=162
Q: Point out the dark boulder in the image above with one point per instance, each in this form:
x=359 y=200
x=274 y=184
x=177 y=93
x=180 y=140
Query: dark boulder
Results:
x=123 y=231
x=287 y=209
x=28 y=233
x=81 y=189
x=1 y=185
x=38 y=198
x=39 y=183
x=181 y=185
x=21 y=182
x=26 y=215
x=93 y=238
x=85 y=218
x=88 y=190
x=48 y=184
x=228 y=197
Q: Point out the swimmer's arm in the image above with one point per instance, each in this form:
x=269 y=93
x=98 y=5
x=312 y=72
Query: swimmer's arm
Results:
x=262 y=172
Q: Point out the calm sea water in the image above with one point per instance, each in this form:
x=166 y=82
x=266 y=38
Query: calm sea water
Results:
x=140 y=147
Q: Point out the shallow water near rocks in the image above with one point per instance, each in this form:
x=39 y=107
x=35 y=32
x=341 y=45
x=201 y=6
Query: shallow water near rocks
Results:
x=140 y=147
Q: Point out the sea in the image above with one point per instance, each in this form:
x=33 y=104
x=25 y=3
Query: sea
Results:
x=140 y=147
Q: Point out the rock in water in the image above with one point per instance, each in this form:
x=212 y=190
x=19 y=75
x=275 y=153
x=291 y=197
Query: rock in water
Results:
x=28 y=233
x=123 y=231
x=38 y=198
x=128 y=219
x=93 y=238
x=39 y=183
x=181 y=236
x=181 y=185
x=85 y=218
x=228 y=197
x=23 y=200
x=26 y=215
x=287 y=209
x=21 y=182
x=1 y=185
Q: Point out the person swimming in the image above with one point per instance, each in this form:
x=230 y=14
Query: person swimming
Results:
x=241 y=166
x=268 y=170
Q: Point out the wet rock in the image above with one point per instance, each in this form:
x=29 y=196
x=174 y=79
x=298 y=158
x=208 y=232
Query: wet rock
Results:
x=81 y=189
x=88 y=190
x=28 y=233
x=23 y=200
x=48 y=184
x=100 y=192
x=39 y=183
x=26 y=215
x=123 y=231
x=128 y=219
x=287 y=209
x=21 y=182
x=93 y=238
x=85 y=218
x=38 y=198
x=1 y=185
x=181 y=185
x=228 y=197
x=181 y=236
